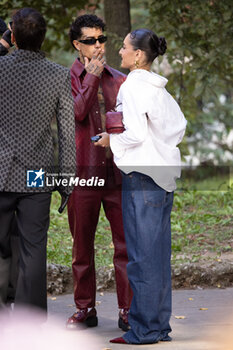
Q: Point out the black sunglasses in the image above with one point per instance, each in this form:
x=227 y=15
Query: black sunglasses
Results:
x=101 y=39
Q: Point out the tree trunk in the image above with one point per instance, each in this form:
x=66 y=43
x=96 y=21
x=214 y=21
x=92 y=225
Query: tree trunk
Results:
x=117 y=18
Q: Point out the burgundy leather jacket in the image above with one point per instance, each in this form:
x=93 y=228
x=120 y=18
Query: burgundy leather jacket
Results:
x=91 y=160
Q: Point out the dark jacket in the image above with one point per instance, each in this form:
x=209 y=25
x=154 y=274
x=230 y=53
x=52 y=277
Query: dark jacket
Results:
x=33 y=91
x=91 y=160
x=3 y=50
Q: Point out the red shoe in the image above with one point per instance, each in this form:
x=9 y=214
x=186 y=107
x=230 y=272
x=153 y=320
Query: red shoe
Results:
x=119 y=340
x=123 y=320
x=82 y=316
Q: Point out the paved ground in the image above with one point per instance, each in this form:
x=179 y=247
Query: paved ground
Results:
x=208 y=329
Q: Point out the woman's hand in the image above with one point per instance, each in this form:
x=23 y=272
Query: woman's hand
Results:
x=104 y=141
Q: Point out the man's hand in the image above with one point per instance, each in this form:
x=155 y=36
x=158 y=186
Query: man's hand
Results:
x=104 y=141
x=6 y=39
x=96 y=64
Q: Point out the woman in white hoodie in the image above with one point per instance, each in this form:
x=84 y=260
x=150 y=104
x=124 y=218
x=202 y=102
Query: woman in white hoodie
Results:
x=149 y=158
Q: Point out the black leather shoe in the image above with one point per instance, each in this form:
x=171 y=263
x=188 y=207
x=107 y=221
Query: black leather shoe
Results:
x=83 y=316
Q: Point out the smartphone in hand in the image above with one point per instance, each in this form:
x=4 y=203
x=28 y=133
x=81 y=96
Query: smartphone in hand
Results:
x=95 y=138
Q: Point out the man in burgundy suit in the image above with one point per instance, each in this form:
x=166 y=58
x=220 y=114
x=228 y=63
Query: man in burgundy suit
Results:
x=94 y=86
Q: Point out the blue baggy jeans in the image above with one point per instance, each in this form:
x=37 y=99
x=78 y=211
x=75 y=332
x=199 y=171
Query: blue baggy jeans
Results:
x=146 y=218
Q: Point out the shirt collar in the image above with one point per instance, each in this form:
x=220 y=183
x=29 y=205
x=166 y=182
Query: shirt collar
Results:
x=19 y=53
x=80 y=68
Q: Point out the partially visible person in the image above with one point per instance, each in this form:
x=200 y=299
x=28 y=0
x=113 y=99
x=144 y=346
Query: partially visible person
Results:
x=33 y=91
x=94 y=86
x=3 y=26
x=149 y=158
x=14 y=268
x=5 y=41
x=5 y=44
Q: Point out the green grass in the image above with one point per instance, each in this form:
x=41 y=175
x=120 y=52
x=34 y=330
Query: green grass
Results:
x=60 y=241
x=202 y=227
x=59 y=249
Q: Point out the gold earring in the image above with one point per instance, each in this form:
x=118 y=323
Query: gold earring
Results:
x=136 y=63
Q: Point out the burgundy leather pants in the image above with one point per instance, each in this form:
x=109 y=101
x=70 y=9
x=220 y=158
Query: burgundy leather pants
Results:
x=83 y=211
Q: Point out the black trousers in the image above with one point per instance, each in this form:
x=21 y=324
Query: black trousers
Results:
x=14 y=262
x=31 y=211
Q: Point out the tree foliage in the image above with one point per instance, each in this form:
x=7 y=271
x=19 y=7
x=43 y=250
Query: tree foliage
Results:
x=139 y=13
x=199 y=35
x=58 y=14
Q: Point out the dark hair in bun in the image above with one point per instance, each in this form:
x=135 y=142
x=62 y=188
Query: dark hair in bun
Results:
x=147 y=41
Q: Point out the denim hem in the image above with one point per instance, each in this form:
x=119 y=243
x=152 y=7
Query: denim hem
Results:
x=140 y=342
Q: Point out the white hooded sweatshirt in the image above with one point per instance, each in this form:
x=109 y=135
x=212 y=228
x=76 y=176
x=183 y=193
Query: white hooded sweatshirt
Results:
x=154 y=126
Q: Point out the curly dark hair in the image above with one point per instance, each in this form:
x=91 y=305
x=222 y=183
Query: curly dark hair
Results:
x=90 y=21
